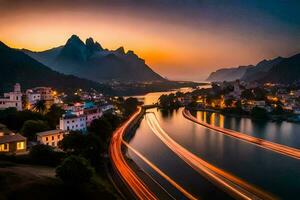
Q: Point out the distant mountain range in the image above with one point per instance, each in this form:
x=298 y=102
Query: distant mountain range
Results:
x=279 y=70
x=16 y=66
x=89 y=60
x=228 y=74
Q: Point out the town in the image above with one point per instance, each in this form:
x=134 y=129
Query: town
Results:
x=261 y=101
x=42 y=127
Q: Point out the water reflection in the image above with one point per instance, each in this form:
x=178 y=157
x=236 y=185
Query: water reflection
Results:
x=270 y=171
x=280 y=132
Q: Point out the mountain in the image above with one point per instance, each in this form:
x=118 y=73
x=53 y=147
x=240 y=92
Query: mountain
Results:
x=229 y=74
x=89 y=60
x=286 y=71
x=260 y=70
x=16 y=66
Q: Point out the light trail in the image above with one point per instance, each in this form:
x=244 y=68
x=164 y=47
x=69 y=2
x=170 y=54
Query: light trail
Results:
x=119 y=163
x=236 y=187
x=165 y=176
x=279 y=148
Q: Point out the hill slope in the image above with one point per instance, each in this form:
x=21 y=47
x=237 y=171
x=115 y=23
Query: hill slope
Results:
x=228 y=74
x=286 y=71
x=89 y=60
x=260 y=69
x=16 y=66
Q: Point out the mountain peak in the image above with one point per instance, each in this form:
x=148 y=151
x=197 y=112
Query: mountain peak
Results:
x=74 y=39
x=93 y=46
x=89 y=41
x=2 y=45
x=120 y=50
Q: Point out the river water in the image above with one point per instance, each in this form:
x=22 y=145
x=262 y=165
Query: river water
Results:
x=271 y=172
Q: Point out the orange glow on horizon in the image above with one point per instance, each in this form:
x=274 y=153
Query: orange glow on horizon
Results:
x=172 y=49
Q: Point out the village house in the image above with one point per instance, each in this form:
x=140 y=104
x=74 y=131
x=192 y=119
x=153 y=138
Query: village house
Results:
x=91 y=112
x=51 y=137
x=12 y=99
x=72 y=122
x=32 y=98
x=11 y=143
x=46 y=94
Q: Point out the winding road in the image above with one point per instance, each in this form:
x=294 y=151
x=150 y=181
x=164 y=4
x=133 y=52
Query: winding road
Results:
x=120 y=165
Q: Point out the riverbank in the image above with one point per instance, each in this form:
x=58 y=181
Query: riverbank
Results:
x=271 y=117
x=282 y=149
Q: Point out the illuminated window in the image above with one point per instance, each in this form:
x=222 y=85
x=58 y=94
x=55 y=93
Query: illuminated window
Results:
x=20 y=145
x=4 y=147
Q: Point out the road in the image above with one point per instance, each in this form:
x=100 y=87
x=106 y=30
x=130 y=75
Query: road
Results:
x=279 y=148
x=234 y=186
x=122 y=168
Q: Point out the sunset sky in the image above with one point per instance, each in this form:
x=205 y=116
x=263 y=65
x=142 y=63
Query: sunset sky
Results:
x=178 y=39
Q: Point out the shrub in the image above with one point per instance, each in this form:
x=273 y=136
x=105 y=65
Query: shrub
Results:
x=45 y=155
x=75 y=170
x=31 y=127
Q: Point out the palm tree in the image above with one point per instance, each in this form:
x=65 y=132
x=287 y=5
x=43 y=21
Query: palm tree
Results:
x=40 y=106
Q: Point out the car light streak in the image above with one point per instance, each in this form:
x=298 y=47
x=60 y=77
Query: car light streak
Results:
x=120 y=165
x=236 y=187
x=279 y=148
x=155 y=168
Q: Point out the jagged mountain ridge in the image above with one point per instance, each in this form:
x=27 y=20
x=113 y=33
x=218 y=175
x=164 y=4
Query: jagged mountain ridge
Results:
x=16 y=66
x=89 y=60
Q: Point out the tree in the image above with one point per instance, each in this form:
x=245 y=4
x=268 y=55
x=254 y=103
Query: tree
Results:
x=259 y=113
x=31 y=127
x=247 y=94
x=40 y=106
x=102 y=128
x=228 y=102
x=87 y=145
x=130 y=105
x=112 y=119
x=75 y=170
x=14 y=119
x=45 y=155
x=54 y=114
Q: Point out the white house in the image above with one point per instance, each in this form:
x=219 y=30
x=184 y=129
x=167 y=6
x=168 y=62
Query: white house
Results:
x=73 y=122
x=12 y=99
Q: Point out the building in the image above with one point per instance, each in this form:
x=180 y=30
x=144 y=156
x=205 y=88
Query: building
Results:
x=12 y=143
x=51 y=138
x=46 y=94
x=106 y=108
x=72 y=122
x=12 y=99
x=92 y=114
x=32 y=98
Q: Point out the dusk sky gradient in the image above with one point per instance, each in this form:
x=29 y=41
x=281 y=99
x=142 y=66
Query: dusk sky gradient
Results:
x=178 y=39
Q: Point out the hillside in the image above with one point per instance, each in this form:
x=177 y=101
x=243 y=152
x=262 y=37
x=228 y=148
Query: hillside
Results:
x=89 y=60
x=16 y=66
x=286 y=71
x=229 y=74
x=260 y=70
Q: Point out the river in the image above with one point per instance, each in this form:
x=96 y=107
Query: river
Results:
x=273 y=173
